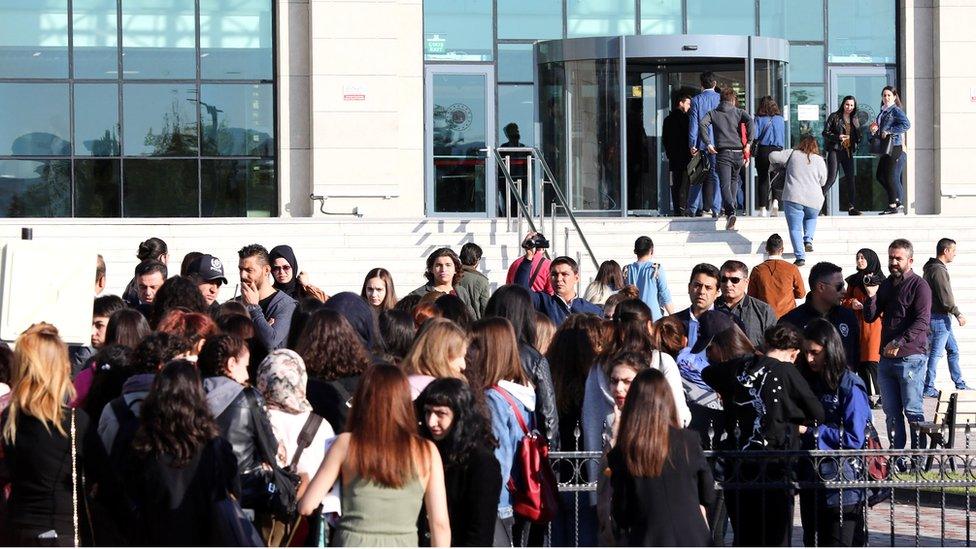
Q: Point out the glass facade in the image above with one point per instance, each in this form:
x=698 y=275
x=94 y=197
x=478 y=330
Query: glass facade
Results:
x=823 y=35
x=138 y=108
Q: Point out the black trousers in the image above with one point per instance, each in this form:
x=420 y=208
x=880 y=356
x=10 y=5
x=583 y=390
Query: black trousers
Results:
x=727 y=164
x=760 y=518
x=762 y=176
x=869 y=373
x=823 y=527
x=887 y=168
x=679 y=191
x=845 y=160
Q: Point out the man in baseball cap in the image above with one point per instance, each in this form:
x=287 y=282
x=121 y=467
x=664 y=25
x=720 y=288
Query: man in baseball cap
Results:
x=208 y=273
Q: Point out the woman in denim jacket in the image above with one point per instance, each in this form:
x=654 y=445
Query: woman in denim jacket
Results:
x=892 y=121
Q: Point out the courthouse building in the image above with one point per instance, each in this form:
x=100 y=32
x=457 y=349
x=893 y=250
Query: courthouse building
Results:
x=250 y=108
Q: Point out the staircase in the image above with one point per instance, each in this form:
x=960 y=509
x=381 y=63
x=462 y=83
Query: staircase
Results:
x=338 y=252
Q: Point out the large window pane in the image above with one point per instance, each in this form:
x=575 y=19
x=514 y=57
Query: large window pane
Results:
x=515 y=107
x=807 y=112
x=600 y=17
x=160 y=120
x=95 y=33
x=159 y=39
x=536 y=19
x=595 y=134
x=238 y=188
x=235 y=39
x=806 y=63
x=792 y=20
x=34 y=120
x=35 y=188
x=515 y=63
x=459 y=132
x=98 y=188
x=660 y=16
x=237 y=119
x=861 y=32
x=725 y=17
x=458 y=30
x=96 y=119
x=34 y=38
x=161 y=188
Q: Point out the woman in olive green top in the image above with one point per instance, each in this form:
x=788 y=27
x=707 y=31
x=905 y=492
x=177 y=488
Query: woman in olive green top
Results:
x=387 y=469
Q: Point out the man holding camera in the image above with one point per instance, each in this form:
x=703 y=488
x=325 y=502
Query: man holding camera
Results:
x=531 y=271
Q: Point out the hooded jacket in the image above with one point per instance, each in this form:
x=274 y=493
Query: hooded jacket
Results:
x=507 y=430
x=134 y=391
x=725 y=120
x=936 y=274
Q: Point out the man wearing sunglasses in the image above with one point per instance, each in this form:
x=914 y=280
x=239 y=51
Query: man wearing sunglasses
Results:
x=823 y=301
x=754 y=315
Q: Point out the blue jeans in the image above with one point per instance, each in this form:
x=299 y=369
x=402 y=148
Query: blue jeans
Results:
x=942 y=339
x=711 y=186
x=901 y=381
x=802 y=222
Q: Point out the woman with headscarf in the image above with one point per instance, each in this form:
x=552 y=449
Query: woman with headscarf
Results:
x=287 y=277
x=868 y=272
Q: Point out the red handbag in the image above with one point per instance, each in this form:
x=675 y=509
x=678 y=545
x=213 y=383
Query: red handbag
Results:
x=535 y=494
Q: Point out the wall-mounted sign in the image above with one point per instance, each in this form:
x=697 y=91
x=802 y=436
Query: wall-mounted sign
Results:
x=808 y=112
x=435 y=44
x=353 y=92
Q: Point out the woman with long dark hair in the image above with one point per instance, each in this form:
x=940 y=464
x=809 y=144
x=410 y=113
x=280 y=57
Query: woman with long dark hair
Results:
x=868 y=269
x=770 y=137
x=378 y=289
x=451 y=417
x=513 y=303
x=443 y=272
x=126 y=327
x=180 y=463
x=609 y=280
x=398 y=332
x=387 y=470
x=841 y=134
x=832 y=518
x=336 y=358
x=661 y=482
x=891 y=123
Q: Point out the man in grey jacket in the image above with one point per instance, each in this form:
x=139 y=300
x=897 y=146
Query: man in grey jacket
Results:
x=271 y=310
x=728 y=146
x=941 y=337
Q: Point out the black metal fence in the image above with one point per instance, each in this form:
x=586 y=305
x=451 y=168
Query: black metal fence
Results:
x=862 y=497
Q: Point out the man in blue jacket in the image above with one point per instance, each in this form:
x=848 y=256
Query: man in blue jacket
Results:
x=564 y=274
x=702 y=104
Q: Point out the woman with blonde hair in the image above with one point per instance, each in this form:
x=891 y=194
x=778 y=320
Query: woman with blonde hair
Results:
x=42 y=446
x=437 y=352
x=803 y=196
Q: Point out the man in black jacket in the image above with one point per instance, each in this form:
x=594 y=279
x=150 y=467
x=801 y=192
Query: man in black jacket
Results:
x=823 y=301
x=675 y=134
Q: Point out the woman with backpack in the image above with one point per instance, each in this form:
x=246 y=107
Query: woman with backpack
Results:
x=832 y=518
x=662 y=484
x=770 y=137
x=888 y=131
x=494 y=369
x=841 y=134
x=451 y=417
x=386 y=470
x=803 y=195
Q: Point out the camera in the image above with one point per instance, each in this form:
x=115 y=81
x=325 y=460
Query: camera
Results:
x=873 y=280
x=538 y=242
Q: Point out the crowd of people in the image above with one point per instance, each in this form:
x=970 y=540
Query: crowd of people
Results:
x=290 y=417
x=708 y=141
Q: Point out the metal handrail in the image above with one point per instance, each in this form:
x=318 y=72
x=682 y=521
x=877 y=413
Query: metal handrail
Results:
x=549 y=179
x=512 y=187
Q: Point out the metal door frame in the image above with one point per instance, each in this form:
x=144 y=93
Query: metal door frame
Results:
x=488 y=71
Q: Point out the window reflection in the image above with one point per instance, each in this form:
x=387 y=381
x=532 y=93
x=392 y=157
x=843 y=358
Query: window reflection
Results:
x=806 y=63
x=660 y=16
x=160 y=119
x=235 y=39
x=792 y=20
x=96 y=119
x=726 y=17
x=600 y=17
x=238 y=188
x=809 y=125
x=161 y=188
x=35 y=120
x=515 y=63
x=536 y=19
x=595 y=131
x=237 y=119
x=98 y=187
x=95 y=38
x=459 y=133
x=458 y=30
x=159 y=39
x=34 y=39
x=35 y=188
x=861 y=32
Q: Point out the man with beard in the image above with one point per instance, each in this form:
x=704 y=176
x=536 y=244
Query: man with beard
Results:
x=207 y=272
x=905 y=301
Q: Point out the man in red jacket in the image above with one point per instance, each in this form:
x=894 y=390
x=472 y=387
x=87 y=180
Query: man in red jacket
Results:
x=532 y=269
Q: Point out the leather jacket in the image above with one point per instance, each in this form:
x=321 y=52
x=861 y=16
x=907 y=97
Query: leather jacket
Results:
x=834 y=127
x=547 y=417
x=237 y=426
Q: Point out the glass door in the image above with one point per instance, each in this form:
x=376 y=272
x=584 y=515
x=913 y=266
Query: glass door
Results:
x=865 y=84
x=460 y=121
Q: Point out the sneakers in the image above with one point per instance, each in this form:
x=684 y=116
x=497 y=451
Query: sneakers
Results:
x=963 y=387
x=931 y=393
x=730 y=223
x=800 y=262
x=891 y=209
x=808 y=246
x=763 y=212
x=853 y=211
x=774 y=209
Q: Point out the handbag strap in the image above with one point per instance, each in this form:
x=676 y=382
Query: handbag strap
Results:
x=511 y=402
x=269 y=450
x=306 y=435
x=74 y=481
x=535 y=273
